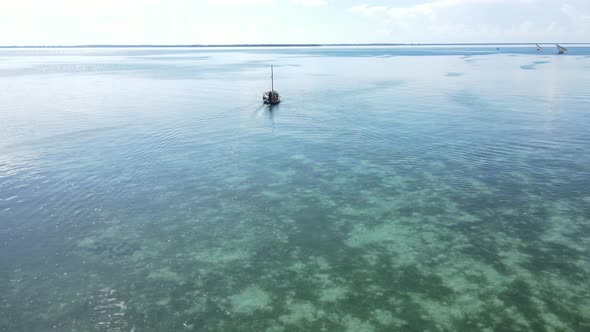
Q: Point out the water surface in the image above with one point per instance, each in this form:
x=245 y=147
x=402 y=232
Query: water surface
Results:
x=394 y=189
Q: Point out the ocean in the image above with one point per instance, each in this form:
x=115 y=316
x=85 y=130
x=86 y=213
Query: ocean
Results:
x=393 y=189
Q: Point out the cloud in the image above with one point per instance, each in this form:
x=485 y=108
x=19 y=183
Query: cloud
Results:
x=574 y=12
x=239 y=2
x=77 y=6
x=424 y=9
x=454 y=21
x=309 y=3
x=246 y=21
x=367 y=10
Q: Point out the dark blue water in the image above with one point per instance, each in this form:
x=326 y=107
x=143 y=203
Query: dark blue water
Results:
x=393 y=189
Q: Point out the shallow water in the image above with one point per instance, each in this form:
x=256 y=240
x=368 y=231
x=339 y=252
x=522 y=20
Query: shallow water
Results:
x=394 y=189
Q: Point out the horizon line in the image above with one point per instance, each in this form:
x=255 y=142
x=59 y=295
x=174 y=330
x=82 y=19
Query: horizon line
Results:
x=275 y=45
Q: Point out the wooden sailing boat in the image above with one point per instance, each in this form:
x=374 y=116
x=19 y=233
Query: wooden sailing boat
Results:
x=271 y=97
x=560 y=49
x=538 y=47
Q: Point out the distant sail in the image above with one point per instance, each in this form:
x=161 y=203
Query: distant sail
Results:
x=539 y=47
x=561 y=49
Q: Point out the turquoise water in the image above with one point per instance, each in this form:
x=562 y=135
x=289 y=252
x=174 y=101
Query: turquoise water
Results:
x=393 y=189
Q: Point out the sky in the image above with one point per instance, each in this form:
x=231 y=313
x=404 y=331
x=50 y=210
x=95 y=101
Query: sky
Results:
x=83 y=22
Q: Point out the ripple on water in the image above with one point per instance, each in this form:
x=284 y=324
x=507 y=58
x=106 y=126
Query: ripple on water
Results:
x=383 y=194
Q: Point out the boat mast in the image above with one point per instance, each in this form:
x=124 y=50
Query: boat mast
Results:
x=272 y=78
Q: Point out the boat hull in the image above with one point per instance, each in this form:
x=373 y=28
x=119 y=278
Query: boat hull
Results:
x=271 y=98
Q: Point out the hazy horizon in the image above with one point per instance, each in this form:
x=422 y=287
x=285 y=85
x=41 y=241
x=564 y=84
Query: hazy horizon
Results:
x=297 y=45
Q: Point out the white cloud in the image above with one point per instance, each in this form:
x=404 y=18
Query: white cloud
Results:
x=239 y=2
x=454 y=21
x=310 y=3
x=367 y=10
x=73 y=7
x=574 y=12
x=245 y=21
x=424 y=9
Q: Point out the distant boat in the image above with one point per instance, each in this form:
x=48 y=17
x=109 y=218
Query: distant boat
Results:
x=271 y=97
x=538 y=47
x=561 y=49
